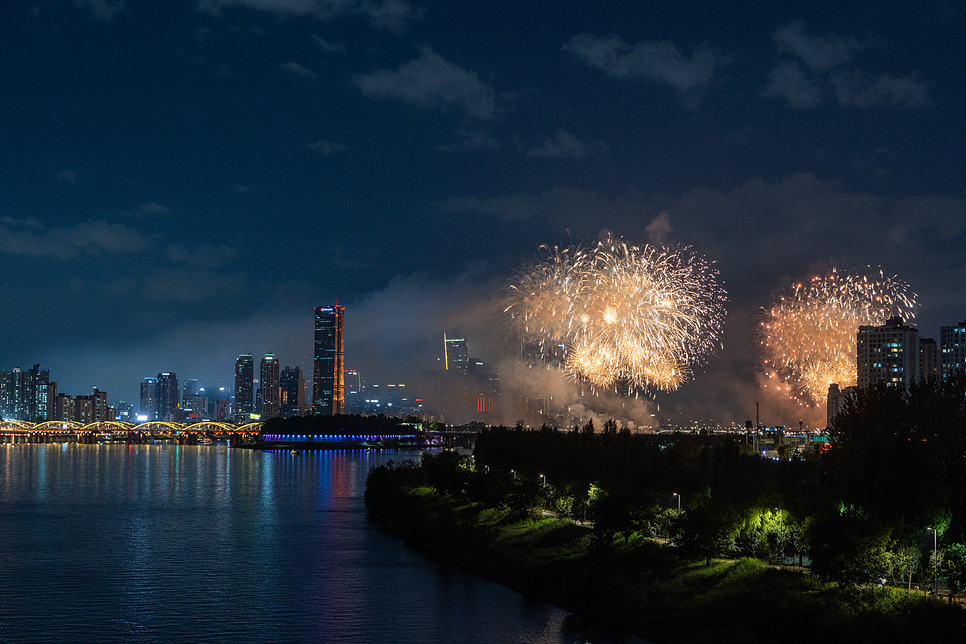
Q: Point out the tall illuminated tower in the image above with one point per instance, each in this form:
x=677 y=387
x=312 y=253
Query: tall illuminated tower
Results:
x=328 y=379
x=455 y=354
x=244 y=391
x=268 y=380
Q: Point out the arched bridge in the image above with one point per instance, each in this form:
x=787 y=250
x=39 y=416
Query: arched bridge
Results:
x=61 y=431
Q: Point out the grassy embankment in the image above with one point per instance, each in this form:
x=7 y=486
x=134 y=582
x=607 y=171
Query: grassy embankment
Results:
x=644 y=587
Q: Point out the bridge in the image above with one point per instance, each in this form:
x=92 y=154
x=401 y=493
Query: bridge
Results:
x=60 y=431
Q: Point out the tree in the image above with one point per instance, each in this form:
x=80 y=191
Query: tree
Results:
x=706 y=531
x=850 y=548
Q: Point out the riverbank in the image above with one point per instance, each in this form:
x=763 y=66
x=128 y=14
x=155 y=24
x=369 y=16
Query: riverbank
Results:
x=644 y=587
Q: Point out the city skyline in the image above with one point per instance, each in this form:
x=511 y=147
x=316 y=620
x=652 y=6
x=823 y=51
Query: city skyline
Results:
x=184 y=182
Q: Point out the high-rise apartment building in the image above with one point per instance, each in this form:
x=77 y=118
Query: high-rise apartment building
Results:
x=149 y=399
x=328 y=378
x=244 y=389
x=928 y=359
x=888 y=354
x=952 y=343
x=23 y=394
x=168 y=396
x=268 y=379
x=456 y=355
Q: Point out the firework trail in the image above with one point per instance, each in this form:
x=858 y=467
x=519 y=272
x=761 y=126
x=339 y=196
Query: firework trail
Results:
x=625 y=316
x=808 y=335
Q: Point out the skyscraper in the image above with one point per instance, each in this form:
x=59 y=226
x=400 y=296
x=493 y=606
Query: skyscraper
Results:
x=328 y=379
x=455 y=354
x=268 y=379
x=23 y=394
x=952 y=342
x=888 y=353
x=292 y=383
x=244 y=390
x=149 y=399
x=168 y=396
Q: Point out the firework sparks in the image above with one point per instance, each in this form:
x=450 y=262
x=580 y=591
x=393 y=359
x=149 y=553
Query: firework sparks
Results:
x=809 y=334
x=639 y=317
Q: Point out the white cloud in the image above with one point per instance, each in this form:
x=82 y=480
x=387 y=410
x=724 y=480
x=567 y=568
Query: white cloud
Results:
x=432 y=81
x=656 y=61
x=325 y=45
x=388 y=14
x=564 y=146
x=820 y=53
x=297 y=69
x=326 y=148
x=66 y=176
x=857 y=89
x=102 y=9
x=788 y=80
x=29 y=238
x=827 y=59
x=151 y=208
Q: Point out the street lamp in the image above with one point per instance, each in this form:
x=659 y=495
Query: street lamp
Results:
x=935 y=564
x=514 y=473
x=679 y=501
x=543 y=479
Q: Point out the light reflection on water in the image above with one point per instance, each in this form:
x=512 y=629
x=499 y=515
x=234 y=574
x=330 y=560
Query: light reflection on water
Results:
x=160 y=543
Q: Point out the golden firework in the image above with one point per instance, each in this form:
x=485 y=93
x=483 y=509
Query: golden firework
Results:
x=809 y=334
x=626 y=315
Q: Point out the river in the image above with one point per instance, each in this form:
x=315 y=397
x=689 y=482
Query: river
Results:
x=161 y=543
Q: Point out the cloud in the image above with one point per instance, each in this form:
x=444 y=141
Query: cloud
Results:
x=202 y=255
x=325 y=45
x=857 y=89
x=789 y=81
x=190 y=285
x=566 y=145
x=297 y=69
x=820 y=53
x=388 y=14
x=326 y=148
x=239 y=188
x=66 y=176
x=660 y=227
x=102 y=9
x=660 y=62
x=828 y=74
x=151 y=209
x=561 y=207
x=431 y=81
x=28 y=238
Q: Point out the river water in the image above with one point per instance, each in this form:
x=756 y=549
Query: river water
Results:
x=161 y=543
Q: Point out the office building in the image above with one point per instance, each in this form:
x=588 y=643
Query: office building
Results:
x=244 y=388
x=952 y=352
x=168 y=396
x=888 y=354
x=149 y=400
x=455 y=355
x=328 y=377
x=268 y=378
x=836 y=402
x=292 y=384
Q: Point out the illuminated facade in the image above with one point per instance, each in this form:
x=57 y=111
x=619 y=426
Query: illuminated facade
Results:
x=952 y=341
x=149 y=399
x=23 y=394
x=244 y=388
x=168 y=396
x=268 y=379
x=292 y=384
x=888 y=354
x=455 y=355
x=328 y=378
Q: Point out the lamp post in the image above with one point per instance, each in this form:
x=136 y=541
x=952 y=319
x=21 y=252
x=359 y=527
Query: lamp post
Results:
x=543 y=480
x=679 y=502
x=514 y=474
x=935 y=564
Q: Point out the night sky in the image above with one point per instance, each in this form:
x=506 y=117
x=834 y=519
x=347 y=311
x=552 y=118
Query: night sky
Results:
x=181 y=182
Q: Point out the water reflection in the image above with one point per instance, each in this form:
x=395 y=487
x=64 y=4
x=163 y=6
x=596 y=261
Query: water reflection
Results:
x=156 y=543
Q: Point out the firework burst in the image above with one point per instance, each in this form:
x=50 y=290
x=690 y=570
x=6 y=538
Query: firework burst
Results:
x=809 y=334
x=625 y=316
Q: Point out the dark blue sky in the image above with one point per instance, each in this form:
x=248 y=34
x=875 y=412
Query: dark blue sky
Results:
x=183 y=181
